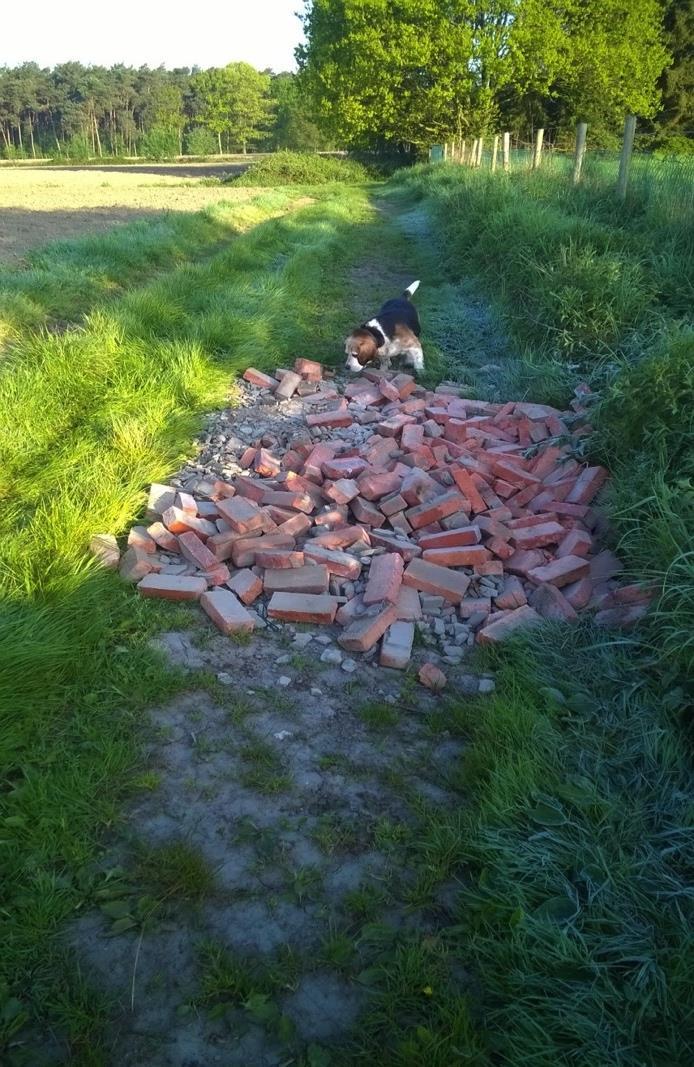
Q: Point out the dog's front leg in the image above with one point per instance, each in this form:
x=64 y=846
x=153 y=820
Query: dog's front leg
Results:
x=414 y=357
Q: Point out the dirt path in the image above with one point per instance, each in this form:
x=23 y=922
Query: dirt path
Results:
x=294 y=845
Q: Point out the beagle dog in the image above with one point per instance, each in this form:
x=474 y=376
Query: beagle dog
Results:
x=393 y=332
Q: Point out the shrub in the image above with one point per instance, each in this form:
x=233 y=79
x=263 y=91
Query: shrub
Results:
x=301 y=168
x=200 y=142
x=159 y=143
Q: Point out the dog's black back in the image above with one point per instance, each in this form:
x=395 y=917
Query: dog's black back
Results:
x=399 y=311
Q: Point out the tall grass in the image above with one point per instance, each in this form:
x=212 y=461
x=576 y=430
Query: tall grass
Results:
x=92 y=417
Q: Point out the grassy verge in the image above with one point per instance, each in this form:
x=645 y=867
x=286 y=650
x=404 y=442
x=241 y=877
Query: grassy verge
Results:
x=579 y=839
x=96 y=415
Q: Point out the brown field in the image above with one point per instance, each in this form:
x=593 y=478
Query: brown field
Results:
x=42 y=204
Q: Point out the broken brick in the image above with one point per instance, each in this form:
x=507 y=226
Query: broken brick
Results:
x=385 y=578
x=364 y=632
x=396 y=648
x=561 y=571
x=431 y=578
x=511 y=623
x=172 y=587
x=226 y=611
x=302 y=607
x=432 y=677
x=247 y=586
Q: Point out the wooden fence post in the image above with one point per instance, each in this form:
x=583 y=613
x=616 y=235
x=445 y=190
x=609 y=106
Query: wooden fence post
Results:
x=507 y=151
x=495 y=151
x=580 y=151
x=462 y=152
x=473 y=153
x=537 y=154
x=480 y=146
x=625 y=158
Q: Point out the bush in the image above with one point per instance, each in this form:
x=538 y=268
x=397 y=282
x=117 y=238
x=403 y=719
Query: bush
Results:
x=200 y=142
x=301 y=168
x=159 y=143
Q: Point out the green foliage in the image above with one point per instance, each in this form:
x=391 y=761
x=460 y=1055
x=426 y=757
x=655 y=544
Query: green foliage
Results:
x=235 y=102
x=300 y=168
x=577 y=909
x=76 y=667
x=200 y=142
x=464 y=67
x=159 y=143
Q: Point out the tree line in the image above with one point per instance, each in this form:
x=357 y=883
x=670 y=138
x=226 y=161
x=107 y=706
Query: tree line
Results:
x=422 y=71
x=376 y=74
x=76 y=111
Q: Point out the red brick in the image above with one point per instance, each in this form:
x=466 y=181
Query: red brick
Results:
x=463 y=535
x=493 y=528
x=340 y=563
x=140 y=538
x=296 y=526
x=251 y=489
x=374 y=486
x=419 y=487
x=395 y=542
x=348 y=467
x=520 y=619
x=396 y=648
x=256 y=377
x=393 y=426
x=560 y=571
x=491 y=567
x=391 y=505
x=302 y=607
x=523 y=560
x=288 y=385
x=512 y=595
x=579 y=593
x=208 y=510
x=462 y=556
x=412 y=437
x=332 y=518
x=308 y=368
x=551 y=603
x=405 y=385
x=388 y=390
x=330 y=418
x=343 y=538
x=466 y=485
x=247 y=586
x=385 y=578
x=342 y=491
x=221 y=489
x=408 y=604
x=364 y=632
x=193 y=549
x=535 y=412
x=226 y=611
x=243 y=550
x=433 y=510
x=432 y=677
x=308 y=579
x=163 y=537
x=440 y=581
x=278 y=558
x=587 y=485
x=178 y=522
x=547 y=533
x=481 y=605
x=243 y=515
x=500 y=548
x=295 y=501
x=172 y=587
x=576 y=543
x=265 y=464
x=136 y=564
x=366 y=512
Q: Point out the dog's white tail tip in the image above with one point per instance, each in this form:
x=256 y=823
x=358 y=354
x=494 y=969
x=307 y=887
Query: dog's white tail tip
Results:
x=412 y=288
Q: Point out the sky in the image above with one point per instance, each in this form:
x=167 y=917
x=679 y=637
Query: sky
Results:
x=175 y=33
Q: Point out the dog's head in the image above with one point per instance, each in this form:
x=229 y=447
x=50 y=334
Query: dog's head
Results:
x=360 y=349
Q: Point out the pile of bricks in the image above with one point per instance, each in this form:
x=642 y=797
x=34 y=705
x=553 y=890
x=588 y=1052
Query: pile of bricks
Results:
x=441 y=500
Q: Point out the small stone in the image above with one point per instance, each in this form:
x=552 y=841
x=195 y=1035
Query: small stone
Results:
x=331 y=655
x=104 y=547
x=302 y=640
x=282 y=735
x=316 y=692
x=225 y=679
x=284 y=680
x=486 y=685
x=282 y=660
x=348 y=665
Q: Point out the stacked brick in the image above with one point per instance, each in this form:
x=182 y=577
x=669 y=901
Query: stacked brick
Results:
x=438 y=500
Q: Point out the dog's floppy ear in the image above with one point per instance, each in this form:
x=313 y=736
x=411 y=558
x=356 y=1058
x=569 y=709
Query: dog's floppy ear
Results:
x=367 y=349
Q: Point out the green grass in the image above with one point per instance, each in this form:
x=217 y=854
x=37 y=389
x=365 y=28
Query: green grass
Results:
x=300 y=168
x=97 y=415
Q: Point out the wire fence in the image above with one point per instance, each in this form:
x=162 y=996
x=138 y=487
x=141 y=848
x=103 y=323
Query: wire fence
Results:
x=643 y=177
